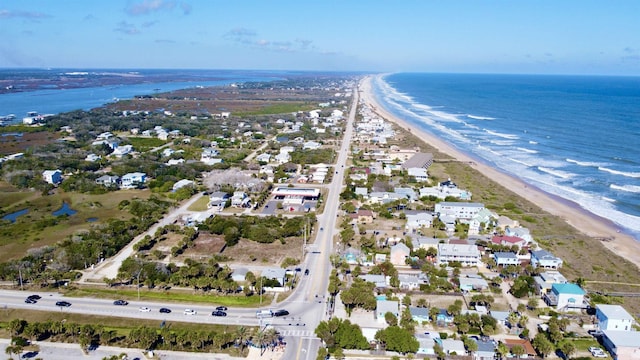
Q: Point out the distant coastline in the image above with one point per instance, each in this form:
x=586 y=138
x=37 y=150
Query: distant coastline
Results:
x=621 y=243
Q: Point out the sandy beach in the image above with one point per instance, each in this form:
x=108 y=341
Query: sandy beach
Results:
x=585 y=222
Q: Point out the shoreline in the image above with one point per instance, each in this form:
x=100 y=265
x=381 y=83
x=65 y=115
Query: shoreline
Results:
x=583 y=221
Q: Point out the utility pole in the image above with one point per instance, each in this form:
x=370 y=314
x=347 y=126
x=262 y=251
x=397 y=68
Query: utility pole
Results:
x=139 y=271
x=20 y=274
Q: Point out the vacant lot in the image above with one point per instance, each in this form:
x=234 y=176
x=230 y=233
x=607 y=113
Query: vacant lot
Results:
x=39 y=227
x=250 y=252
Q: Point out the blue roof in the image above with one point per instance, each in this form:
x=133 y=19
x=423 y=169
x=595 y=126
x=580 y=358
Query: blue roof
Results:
x=567 y=288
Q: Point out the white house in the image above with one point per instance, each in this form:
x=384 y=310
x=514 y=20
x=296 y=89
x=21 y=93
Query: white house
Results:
x=467 y=255
x=420 y=174
x=461 y=210
x=566 y=297
x=311 y=145
x=385 y=306
x=133 y=180
x=92 y=157
x=182 y=183
x=108 y=180
x=123 y=150
x=506 y=258
x=53 y=177
x=544 y=259
x=240 y=199
x=613 y=317
x=380 y=281
x=545 y=281
x=419 y=220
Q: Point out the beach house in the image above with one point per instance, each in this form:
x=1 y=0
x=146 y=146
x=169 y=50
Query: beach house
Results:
x=53 y=177
x=386 y=306
x=133 y=180
x=545 y=260
x=466 y=255
x=566 y=297
x=613 y=317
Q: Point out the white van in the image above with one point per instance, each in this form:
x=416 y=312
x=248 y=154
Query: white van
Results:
x=264 y=313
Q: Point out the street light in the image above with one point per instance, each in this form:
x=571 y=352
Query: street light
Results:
x=138 y=276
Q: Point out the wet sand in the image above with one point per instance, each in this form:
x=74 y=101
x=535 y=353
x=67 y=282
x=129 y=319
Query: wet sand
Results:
x=582 y=220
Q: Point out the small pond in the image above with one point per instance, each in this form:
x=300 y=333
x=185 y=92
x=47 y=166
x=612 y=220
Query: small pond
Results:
x=64 y=210
x=14 y=215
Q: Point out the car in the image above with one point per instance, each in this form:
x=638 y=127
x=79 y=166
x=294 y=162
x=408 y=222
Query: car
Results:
x=121 y=303
x=281 y=312
x=34 y=297
x=321 y=229
x=189 y=312
x=30 y=301
x=218 y=313
x=306 y=271
x=144 y=309
x=63 y=303
x=221 y=308
x=165 y=310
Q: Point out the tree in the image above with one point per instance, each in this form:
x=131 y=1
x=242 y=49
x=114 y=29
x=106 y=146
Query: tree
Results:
x=433 y=313
x=542 y=345
x=322 y=353
x=532 y=303
x=398 y=339
x=391 y=319
x=339 y=354
x=518 y=350
x=502 y=350
x=567 y=349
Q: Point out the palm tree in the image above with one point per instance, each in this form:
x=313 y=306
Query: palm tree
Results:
x=259 y=340
x=242 y=335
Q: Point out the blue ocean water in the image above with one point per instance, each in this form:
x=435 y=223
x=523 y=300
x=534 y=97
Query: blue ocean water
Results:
x=54 y=101
x=577 y=137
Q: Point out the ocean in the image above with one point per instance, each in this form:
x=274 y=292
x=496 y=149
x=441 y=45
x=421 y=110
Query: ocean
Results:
x=576 y=137
x=54 y=100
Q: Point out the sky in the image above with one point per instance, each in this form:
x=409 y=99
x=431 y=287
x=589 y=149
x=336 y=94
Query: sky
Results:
x=456 y=36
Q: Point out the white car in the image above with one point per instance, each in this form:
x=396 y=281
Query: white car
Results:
x=144 y=309
x=189 y=312
x=597 y=352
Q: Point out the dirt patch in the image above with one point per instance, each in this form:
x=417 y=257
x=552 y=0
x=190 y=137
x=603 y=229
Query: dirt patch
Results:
x=250 y=252
x=11 y=143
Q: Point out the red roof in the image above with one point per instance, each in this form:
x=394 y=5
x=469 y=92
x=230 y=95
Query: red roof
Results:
x=528 y=348
x=506 y=239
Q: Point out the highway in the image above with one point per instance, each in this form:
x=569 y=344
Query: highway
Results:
x=307 y=304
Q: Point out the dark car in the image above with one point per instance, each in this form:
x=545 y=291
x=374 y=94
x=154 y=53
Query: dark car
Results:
x=306 y=271
x=34 y=297
x=30 y=301
x=121 y=302
x=63 y=303
x=221 y=308
x=165 y=310
x=218 y=313
x=281 y=313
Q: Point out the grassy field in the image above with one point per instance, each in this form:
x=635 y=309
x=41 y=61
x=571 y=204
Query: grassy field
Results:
x=173 y=295
x=145 y=143
x=278 y=108
x=200 y=204
x=35 y=229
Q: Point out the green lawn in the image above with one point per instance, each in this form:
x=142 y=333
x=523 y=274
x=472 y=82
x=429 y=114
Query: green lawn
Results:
x=170 y=296
x=200 y=204
x=144 y=143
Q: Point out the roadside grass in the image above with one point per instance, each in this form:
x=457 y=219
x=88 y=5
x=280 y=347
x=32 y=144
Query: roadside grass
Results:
x=122 y=325
x=200 y=204
x=173 y=295
x=142 y=144
x=39 y=228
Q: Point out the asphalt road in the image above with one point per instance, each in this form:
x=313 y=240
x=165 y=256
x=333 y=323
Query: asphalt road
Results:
x=307 y=304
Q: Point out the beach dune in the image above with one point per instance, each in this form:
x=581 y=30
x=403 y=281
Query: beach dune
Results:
x=589 y=224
